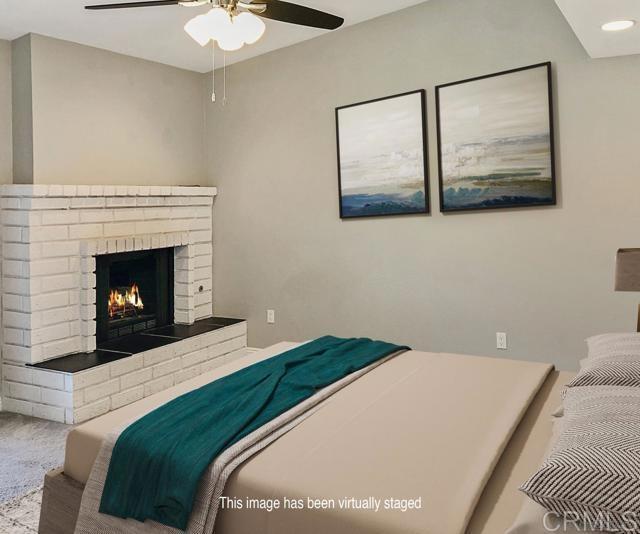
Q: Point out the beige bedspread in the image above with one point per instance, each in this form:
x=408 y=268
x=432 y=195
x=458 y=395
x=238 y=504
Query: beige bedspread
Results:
x=433 y=426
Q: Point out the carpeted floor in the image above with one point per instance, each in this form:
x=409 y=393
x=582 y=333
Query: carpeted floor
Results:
x=29 y=448
x=21 y=515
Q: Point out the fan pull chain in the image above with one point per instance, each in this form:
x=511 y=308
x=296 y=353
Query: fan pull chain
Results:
x=213 y=72
x=224 y=77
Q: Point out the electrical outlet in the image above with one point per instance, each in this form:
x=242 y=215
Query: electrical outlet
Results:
x=271 y=317
x=501 y=340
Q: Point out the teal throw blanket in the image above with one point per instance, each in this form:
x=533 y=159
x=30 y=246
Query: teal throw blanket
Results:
x=157 y=461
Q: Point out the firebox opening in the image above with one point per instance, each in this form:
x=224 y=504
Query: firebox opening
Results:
x=134 y=292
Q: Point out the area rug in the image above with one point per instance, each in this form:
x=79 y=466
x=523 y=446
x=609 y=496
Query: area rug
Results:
x=21 y=515
x=29 y=447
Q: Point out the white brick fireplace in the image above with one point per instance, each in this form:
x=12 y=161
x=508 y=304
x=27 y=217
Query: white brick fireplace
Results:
x=51 y=235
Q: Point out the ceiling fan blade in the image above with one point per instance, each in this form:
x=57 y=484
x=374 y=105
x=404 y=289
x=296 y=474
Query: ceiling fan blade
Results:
x=295 y=14
x=150 y=3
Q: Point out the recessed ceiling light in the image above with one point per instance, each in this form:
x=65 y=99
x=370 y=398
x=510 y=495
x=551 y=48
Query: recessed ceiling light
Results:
x=618 y=25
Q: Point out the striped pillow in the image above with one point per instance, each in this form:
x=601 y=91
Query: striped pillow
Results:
x=592 y=474
x=596 y=400
x=614 y=357
x=616 y=373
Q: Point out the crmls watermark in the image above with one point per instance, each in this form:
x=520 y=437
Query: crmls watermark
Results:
x=591 y=522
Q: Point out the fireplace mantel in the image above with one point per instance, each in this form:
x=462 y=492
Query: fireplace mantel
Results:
x=51 y=235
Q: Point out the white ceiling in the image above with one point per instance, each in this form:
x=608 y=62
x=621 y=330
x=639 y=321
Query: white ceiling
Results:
x=587 y=16
x=156 y=33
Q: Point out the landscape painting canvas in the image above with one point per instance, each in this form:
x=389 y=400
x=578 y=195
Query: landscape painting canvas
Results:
x=381 y=157
x=495 y=141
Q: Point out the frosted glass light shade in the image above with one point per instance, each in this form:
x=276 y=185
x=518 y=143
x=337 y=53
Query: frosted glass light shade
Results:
x=251 y=27
x=230 y=43
x=198 y=30
x=219 y=22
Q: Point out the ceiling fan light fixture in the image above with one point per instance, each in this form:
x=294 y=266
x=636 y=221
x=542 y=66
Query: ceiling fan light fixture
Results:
x=231 y=32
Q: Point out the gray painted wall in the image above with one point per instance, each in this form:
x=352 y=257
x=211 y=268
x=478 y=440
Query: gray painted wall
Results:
x=5 y=128
x=22 y=110
x=5 y=112
x=100 y=117
x=440 y=283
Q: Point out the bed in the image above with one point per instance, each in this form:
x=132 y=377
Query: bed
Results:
x=460 y=433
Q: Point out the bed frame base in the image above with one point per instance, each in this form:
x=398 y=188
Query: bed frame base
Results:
x=61 y=498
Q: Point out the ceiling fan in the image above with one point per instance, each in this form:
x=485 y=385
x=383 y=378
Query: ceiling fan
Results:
x=234 y=23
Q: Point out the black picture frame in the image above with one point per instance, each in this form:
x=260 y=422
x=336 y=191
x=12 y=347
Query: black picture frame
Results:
x=554 y=199
x=425 y=156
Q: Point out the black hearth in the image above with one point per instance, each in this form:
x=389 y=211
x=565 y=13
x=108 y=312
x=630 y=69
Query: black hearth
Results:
x=134 y=292
x=121 y=348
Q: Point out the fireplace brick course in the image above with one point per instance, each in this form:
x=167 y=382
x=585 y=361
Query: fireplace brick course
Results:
x=75 y=398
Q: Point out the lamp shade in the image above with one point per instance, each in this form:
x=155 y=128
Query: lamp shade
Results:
x=628 y=270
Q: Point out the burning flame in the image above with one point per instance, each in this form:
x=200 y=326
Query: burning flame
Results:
x=118 y=302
